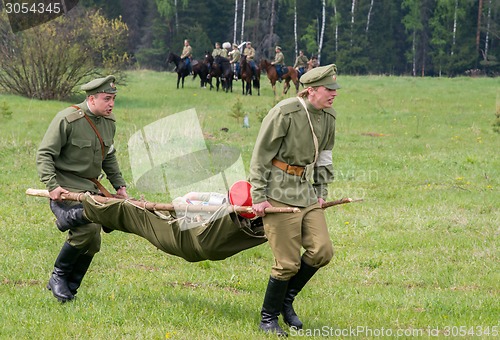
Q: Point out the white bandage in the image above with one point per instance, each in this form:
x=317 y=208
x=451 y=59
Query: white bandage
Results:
x=324 y=158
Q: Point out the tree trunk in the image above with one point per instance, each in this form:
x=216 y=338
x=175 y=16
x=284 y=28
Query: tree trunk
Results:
x=176 y=17
x=273 y=15
x=353 y=7
x=322 y=34
x=336 y=27
x=414 y=52
x=369 y=16
x=487 y=37
x=478 y=31
x=243 y=11
x=295 y=27
x=235 y=20
x=454 y=28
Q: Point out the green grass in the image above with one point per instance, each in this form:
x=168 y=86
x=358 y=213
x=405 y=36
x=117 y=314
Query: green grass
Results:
x=420 y=253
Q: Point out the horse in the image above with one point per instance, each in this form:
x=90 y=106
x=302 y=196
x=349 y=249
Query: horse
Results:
x=312 y=63
x=291 y=75
x=180 y=66
x=208 y=60
x=247 y=76
x=201 y=69
x=212 y=73
x=222 y=68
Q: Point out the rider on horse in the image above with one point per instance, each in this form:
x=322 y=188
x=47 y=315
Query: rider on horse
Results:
x=249 y=52
x=301 y=63
x=235 y=60
x=187 y=52
x=279 y=63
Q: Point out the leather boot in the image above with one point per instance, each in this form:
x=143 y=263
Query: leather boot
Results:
x=294 y=287
x=58 y=282
x=80 y=268
x=68 y=216
x=273 y=302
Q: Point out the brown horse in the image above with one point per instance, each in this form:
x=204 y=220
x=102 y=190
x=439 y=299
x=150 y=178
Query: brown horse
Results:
x=247 y=76
x=291 y=75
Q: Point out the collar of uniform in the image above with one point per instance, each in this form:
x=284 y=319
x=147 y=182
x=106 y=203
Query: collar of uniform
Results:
x=311 y=108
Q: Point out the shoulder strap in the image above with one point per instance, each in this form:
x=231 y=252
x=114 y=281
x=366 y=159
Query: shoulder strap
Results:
x=92 y=125
x=315 y=139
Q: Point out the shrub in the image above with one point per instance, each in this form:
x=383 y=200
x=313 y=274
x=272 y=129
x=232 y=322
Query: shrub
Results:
x=50 y=60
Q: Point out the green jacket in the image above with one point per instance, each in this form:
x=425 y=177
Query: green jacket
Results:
x=285 y=134
x=219 y=52
x=70 y=151
x=301 y=61
x=279 y=59
x=235 y=56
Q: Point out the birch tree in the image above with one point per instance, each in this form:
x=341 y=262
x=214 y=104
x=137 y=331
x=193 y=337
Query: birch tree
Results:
x=353 y=9
x=235 y=20
x=322 y=34
x=243 y=12
x=336 y=20
x=368 y=17
x=412 y=23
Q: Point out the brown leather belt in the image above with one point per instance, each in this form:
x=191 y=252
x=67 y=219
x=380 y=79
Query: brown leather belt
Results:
x=289 y=169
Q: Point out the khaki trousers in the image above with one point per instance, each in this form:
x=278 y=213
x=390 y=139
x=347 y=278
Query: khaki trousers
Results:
x=86 y=237
x=287 y=233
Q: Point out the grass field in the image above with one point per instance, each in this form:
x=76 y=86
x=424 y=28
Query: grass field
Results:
x=419 y=257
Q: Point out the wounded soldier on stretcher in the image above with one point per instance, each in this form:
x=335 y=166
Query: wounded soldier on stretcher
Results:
x=193 y=236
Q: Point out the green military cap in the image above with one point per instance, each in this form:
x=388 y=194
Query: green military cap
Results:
x=321 y=76
x=100 y=85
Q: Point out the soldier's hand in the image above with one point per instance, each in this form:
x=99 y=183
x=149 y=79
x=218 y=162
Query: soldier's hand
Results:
x=56 y=193
x=259 y=208
x=321 y=202
x=121 y=193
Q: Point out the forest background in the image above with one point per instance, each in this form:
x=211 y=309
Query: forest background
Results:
x=376 y=37
x=410 y=37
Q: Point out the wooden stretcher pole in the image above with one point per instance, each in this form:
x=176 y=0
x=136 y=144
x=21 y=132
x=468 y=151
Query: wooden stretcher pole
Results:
x=152 y=206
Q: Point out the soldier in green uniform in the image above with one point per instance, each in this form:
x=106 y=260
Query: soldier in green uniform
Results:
x=194 y=236
x=76 y=148
x=235 y=60
x=249 y=52
x=218 y=51
x=291 y=165
x=301 y=63
x=279 y=62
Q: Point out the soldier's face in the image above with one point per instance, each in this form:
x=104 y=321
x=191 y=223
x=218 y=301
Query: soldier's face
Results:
x=102 y=104
x=321 y=97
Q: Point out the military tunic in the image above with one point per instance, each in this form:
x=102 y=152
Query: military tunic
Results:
x=70 y=151
x=279 y=59
x=187 y=51
x=235 y=56
x=70 y=154
x=249 y=52
x=285 y=134
x=301 y=61
x=219 y=52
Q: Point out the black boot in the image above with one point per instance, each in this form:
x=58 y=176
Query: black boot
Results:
x=294 y=287
x=68 y=216
x=273 y=302
x=58 y=282
x=80 y=268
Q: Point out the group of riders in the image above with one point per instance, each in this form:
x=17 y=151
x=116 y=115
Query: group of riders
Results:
x=233 y=54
